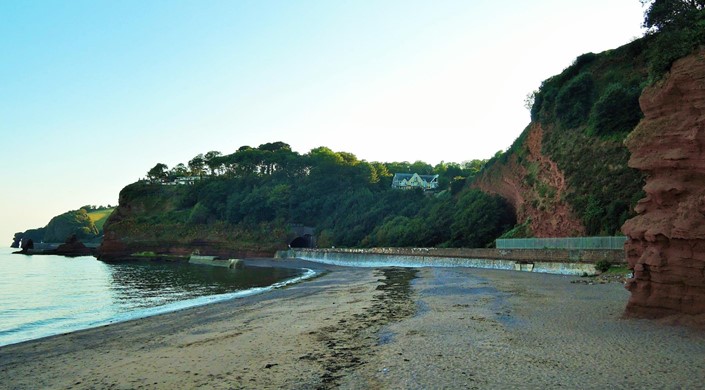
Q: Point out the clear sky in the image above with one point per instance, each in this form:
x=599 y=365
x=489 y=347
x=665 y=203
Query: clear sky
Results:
x=94 y=93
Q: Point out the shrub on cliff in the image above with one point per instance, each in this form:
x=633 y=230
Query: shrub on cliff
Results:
x=617 y=110
x=574 y=101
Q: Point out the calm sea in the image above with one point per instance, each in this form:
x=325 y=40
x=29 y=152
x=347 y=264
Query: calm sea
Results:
x=47 y=295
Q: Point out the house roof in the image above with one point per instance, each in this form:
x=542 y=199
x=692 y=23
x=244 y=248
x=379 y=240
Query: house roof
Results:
x=402 y=176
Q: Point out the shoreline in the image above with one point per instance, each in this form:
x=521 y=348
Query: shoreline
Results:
x=24 y=332
x=378 y=328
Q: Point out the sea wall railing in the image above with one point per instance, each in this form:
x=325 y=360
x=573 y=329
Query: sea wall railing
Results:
x=616 y=242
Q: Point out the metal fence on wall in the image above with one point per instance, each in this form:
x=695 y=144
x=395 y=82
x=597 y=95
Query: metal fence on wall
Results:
x=562 y=243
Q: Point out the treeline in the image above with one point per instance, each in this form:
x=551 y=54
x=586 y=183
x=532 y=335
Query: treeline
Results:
x=350 y=202
x=270 y=158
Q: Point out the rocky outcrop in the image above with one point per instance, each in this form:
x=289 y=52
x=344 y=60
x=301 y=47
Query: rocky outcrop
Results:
x=666 y=246
x=73 y=247
x=129 y=240
x=131 y=233
x=536 y=192
x=27 y=245
x=119 y=247
x=16 y=240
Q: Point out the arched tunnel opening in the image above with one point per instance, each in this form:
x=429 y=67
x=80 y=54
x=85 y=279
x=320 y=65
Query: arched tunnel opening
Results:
x=305 y=241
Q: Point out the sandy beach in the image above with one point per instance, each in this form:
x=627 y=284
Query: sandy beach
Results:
x=357 y=328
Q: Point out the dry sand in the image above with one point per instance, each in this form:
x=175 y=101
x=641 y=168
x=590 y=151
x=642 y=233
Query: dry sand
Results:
x=379 y=329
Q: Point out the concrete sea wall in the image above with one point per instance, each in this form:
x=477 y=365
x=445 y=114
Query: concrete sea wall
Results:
x=554 y=261
x=215 y=262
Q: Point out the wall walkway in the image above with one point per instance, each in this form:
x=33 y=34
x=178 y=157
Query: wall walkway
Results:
x=555 y=261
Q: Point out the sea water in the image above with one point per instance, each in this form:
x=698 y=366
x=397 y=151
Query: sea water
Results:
x=44 y=295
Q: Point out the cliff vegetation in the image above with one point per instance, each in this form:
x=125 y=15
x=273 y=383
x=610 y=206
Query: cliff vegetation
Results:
x=247 y=200
x=567 y=173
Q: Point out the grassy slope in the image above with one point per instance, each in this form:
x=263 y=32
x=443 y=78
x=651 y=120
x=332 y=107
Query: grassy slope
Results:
x=99 y=217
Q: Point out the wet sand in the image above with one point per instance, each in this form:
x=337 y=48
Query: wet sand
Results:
x=379 y=329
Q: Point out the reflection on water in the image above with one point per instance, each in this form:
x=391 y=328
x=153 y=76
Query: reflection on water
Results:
x=47 y=295
x=146 y=284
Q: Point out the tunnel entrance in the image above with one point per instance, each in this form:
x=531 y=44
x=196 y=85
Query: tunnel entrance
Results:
x=305 y=241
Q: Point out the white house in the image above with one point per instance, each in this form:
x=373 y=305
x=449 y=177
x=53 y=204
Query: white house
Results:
x=407 y=181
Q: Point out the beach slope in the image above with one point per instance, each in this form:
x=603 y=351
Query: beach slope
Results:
x=379 y=328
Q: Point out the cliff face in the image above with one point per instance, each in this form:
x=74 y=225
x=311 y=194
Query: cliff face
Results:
x=666 y=246
x=536 y=192
x=567 y=173
x=149 y=218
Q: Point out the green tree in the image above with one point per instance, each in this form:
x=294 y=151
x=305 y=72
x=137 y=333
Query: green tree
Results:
x=480 y=219
x=348 y=158
x=421 y=168
x=473 y=166
x=256 y=206
x=279 y=201
x=325 y=156
x=668 y=14
x=212 y=161
x=398 y=167
x=457 y=185
x=274 y=146
x=678 y=27
x=177 y=171
x=197 y=165
x=158 y=173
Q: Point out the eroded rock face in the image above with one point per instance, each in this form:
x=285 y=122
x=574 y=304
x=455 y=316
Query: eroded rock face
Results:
x=549 y=215
x=126 y=235
x=666 y=246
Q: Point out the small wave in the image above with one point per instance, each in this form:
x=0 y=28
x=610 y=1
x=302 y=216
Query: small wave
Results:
x=50 y=327
x=204 y=300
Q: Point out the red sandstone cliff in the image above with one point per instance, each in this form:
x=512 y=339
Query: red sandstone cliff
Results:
x=535 y=193
x=129 y=230
x=666 y=246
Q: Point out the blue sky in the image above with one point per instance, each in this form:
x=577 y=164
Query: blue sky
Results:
x=94 y=93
